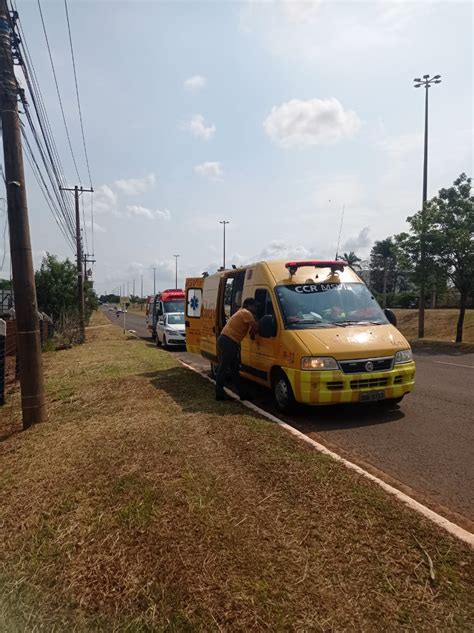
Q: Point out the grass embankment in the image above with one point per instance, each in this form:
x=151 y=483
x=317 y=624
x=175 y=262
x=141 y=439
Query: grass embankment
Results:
x=144 y=505
x=439 y=324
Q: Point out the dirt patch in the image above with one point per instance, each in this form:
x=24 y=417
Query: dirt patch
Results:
x=142 y=504
x=439 y=324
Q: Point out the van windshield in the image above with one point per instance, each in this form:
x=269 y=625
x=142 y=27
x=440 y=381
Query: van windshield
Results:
x=174 y=306
x=328 y=305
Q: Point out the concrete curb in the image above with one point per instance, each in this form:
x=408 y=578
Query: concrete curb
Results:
x=436 y=518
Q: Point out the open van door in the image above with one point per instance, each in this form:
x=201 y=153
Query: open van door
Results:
x=193 y=306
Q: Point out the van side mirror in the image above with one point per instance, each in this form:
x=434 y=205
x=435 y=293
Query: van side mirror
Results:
x=391 y=316
x=267 y=326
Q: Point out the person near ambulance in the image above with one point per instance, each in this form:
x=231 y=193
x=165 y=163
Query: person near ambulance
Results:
x=240 y=324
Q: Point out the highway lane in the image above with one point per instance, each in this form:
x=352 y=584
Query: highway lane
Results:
x=424 y=446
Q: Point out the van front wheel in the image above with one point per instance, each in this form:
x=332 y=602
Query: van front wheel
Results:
x=283 y=393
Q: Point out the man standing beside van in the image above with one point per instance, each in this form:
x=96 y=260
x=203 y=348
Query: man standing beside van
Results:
x=236 y=329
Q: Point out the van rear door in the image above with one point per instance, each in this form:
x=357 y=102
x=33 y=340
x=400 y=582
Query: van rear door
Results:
x=193 y=304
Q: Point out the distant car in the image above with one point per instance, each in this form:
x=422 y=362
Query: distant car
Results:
x=170 y=330
x=118 y=311
x=111 y=309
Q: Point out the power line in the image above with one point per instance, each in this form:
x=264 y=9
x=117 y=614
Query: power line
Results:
x=35 y=168
x=43 y=139
x=77 y=94
x=57 y=90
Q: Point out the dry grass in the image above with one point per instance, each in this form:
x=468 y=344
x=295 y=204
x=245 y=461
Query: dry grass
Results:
x=144 y=505
x=439 y=324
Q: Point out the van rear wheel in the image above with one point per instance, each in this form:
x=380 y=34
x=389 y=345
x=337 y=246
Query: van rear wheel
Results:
x=283 y=393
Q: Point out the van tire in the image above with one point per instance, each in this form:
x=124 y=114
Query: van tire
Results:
x=283 y=393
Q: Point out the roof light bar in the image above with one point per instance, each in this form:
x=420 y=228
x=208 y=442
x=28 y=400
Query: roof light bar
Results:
x=334 y=265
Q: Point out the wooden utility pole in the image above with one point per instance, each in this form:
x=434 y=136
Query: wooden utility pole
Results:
x=80 y=275
x=26 y=307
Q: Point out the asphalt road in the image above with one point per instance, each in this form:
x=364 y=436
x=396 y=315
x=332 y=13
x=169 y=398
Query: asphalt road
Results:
x=425 y=446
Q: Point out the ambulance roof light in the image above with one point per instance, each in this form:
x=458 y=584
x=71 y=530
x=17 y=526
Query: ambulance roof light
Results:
x=334 y=265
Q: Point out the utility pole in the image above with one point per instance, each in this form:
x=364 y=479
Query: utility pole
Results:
x=88 y=259
x=141 y=286
x=133 y=286
x=426 y=82
x=223 y=222
x=176 y=271
x=26 y=307
x=154 y=281
x=80 y=276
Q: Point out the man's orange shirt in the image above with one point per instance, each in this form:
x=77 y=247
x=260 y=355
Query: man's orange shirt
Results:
x=239 y=324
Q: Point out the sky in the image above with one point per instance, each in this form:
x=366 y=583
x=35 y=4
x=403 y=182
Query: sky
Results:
x=270 y=115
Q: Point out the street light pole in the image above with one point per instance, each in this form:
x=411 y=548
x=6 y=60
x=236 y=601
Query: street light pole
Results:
x=426 y=82
x=223 y=222
x=154 y=282
x=176 y=271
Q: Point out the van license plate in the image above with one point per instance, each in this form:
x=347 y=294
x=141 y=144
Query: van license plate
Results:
x=372 y=396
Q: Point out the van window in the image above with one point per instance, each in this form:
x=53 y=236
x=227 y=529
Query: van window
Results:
x=264 y=303
x=229 y=285
x=193 y=302
x=233 y=294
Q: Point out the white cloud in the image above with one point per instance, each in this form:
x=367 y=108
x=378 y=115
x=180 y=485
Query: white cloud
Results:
x=211 y=170
x=197 y=126
x=359 y=242
x=150 y=214
x=105 y=200
x=134 y=186
x=298 y=123
x=195 y=83
x=309 y=31
x=97 y=227
x=301 y=10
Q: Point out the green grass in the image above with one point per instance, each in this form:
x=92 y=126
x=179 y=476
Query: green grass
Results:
x=144 y=505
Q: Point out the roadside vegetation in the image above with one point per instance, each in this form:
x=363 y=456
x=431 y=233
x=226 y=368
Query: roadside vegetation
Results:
x=56 y=289
x=395 y=270
x=440 y=324
x=144 y=505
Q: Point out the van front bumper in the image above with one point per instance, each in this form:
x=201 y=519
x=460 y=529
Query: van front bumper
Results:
x=333 y=387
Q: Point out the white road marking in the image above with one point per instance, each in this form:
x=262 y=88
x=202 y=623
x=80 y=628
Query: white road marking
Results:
x=443 y=362
x=436 y=518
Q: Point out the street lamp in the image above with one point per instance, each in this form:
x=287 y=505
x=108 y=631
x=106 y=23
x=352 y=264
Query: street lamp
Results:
x=154 y=282
x=223 y=222
x=426 y=82
x=176 y=271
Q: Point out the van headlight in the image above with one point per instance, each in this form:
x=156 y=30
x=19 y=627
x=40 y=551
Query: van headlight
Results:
x=319 y=363
x=403 y=356
x=170 y=332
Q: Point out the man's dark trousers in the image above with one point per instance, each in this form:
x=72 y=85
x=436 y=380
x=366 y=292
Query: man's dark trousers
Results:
x=229 y=364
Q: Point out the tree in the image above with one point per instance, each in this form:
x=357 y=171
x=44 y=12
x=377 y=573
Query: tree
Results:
x=449 y=243
x=352 y=259
x=383 y=260
x=452 y=233
x=56 y=288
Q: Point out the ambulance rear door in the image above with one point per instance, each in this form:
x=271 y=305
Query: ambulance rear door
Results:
x=193 y=305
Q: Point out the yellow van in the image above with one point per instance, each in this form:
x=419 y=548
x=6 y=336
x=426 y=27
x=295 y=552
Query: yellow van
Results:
x=323 y=339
